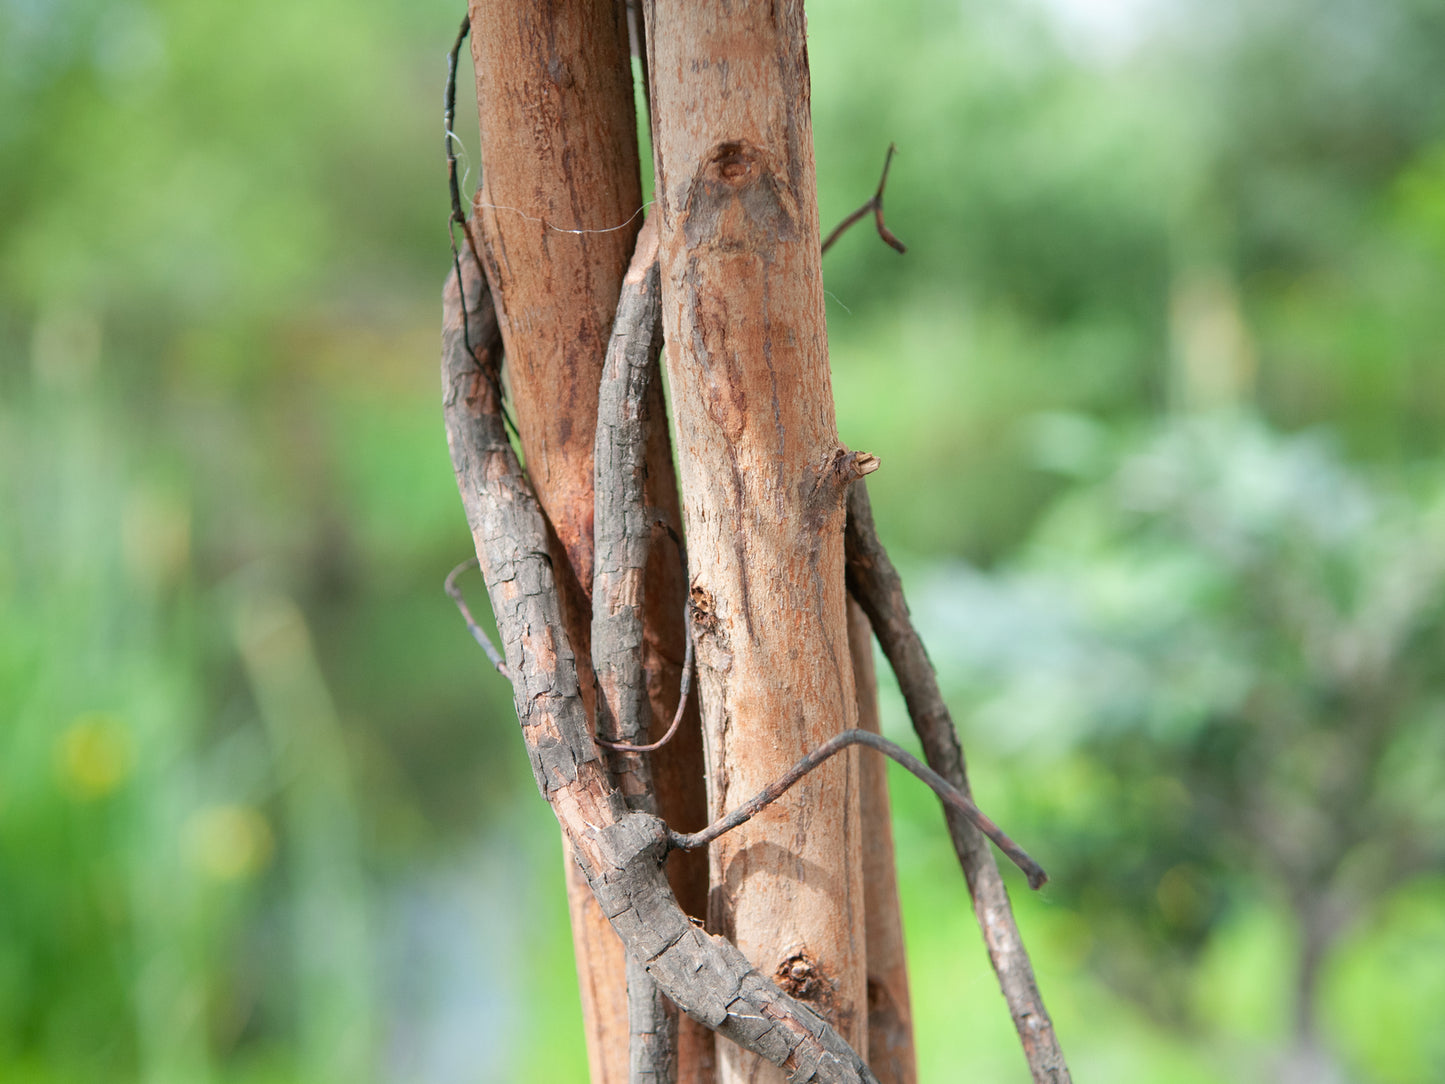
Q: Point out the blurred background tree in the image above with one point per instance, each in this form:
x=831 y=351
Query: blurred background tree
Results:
x=1222 y=663
x=1158 y=390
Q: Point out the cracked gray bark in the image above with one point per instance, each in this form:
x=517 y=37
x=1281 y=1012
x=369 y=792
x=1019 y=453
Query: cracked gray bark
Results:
x=622 y=533
x=875 y=583
x=620 y=852
x=622 y=529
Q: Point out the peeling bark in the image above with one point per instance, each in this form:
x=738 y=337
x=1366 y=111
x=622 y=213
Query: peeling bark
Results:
x=620 y=852
x=876 y=585
x=763 y=482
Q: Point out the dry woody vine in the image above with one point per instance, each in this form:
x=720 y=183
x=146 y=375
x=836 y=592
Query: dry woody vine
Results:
x=586 y=720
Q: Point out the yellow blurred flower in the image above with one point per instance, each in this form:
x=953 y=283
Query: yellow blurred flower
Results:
x=94 y=755
x=229 y=842
x=156 y=537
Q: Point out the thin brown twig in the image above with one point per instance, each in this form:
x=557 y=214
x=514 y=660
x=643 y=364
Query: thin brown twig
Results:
x=451 y=588
x=875 y=583
x=685 y=684
x=684 y=688
x=449 y=112
x=951 y=796
x=449 y=135
x=874 y=204
x=458 y=215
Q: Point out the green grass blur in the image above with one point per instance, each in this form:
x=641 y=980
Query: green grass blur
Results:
x=1159 y=391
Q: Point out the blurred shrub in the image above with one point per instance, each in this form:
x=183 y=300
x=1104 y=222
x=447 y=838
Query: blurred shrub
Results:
x=1219 y=667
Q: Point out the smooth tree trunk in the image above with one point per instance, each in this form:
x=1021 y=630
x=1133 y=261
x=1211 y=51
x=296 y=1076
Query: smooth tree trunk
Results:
x=555 y=222
x=764 y=479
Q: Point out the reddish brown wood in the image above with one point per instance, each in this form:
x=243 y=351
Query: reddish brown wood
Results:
x=559 y=155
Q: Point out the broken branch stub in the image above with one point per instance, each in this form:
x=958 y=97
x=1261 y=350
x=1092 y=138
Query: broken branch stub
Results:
x=620 y=852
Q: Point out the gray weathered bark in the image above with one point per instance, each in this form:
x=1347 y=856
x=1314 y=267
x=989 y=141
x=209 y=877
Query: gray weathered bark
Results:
x=554 y=224
x=622 y=535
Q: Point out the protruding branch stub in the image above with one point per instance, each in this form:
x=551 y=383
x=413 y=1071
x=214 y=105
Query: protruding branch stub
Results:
x=840 y=470
x=855 y=465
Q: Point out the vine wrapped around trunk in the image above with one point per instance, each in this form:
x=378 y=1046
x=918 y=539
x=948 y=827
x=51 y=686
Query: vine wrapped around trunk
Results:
x=620 y=852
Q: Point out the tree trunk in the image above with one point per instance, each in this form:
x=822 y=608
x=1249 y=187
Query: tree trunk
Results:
x=764 y=480
x=555 y=223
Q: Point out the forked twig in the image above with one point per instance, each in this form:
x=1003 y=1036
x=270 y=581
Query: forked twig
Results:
x=874 y=204
x=952 y=797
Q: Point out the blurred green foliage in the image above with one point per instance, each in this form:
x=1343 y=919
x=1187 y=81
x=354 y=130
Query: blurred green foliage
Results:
x=1164 y=358
x=1218 y=669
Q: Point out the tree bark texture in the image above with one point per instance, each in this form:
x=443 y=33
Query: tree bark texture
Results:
x=620 y=852
x=890 y=1012
x=555 y=221
x=764 y=481
x=622 y=537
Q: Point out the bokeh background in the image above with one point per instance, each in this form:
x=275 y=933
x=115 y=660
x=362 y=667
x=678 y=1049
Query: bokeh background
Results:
x=1159 y=392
